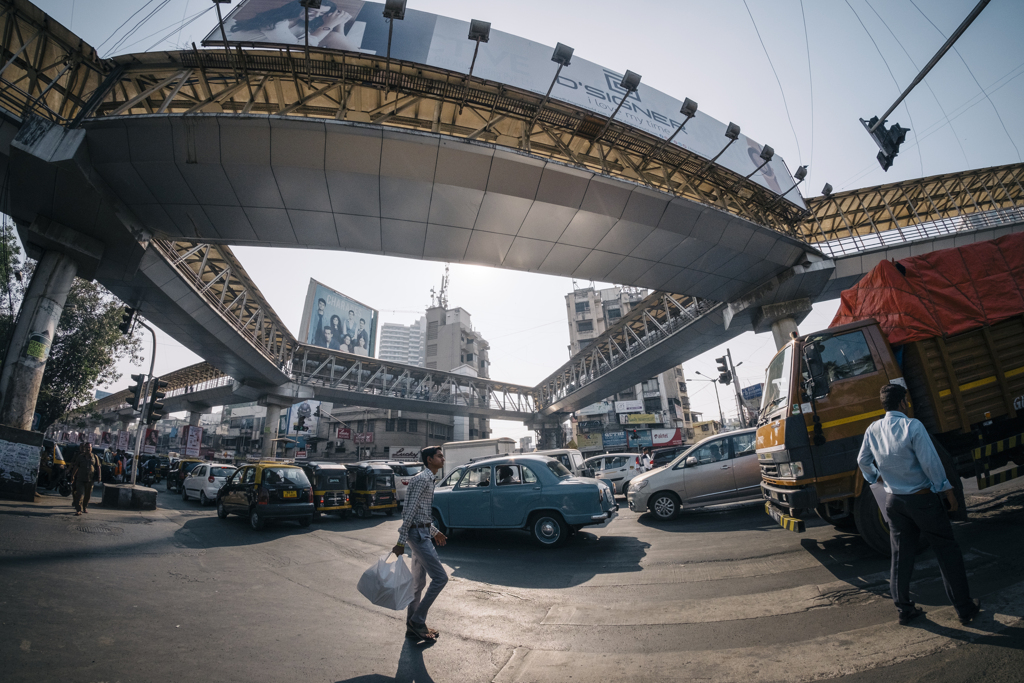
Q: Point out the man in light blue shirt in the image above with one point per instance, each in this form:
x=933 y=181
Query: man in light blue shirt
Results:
x=898 y=452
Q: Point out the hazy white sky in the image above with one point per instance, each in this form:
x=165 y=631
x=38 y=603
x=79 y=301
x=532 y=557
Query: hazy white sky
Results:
x=710 y=52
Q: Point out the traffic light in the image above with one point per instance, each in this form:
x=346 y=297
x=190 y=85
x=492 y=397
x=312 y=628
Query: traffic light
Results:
x=127 y=318
x=301 y=424
x=136 y=391
x=724 y=375
x=155 y=409
x=887 y=139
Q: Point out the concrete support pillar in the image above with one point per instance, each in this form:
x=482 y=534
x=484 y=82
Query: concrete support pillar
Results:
x=782 y=330
x=30 y=344
x=193 y=418
x=270 y=431
x=782 y=319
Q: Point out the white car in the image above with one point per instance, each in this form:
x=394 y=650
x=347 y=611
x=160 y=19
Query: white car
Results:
x=720 y=469
x=404 y=471
x=617 y=469
x=205 y=481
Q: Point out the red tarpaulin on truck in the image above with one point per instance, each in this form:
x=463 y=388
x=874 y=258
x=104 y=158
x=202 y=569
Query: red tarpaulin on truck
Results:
x=943 y=293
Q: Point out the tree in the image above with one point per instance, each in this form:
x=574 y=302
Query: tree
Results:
x=87 y=343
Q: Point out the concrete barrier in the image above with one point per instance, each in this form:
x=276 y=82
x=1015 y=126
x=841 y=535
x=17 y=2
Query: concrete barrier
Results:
x=129 y=497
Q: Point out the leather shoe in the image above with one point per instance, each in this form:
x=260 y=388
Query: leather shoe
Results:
x=415 y=631
x=907 y=617
x=971 y=612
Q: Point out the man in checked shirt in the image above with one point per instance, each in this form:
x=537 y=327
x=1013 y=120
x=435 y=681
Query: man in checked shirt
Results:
x=416 y=532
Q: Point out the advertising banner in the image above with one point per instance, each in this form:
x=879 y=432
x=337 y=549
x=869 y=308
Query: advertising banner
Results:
x=334 y=321
x=193 y=441
x=356 y=26
x=629 y=406
x=105 y=439
x=599 y=408
x=667 y=437
x=122 y=440
x=641 y=438
x=590 y=442
x=614 y=439
x=152 y=437
x=363 y=437
x=590 y=425
x=344 y=433
x=637 y=419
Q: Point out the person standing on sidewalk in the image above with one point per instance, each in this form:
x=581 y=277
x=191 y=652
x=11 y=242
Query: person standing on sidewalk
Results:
x=85 y=469
x=420 y=534
x=898 y=452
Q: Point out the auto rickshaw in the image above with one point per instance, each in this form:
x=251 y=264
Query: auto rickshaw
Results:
x=51 y=466
x=331 y=491
x=373 y=488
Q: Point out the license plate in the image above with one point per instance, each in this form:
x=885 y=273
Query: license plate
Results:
x=782 y=519
x=290 y=494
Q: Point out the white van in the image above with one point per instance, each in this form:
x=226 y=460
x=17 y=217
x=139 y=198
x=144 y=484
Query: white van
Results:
x=459 y=453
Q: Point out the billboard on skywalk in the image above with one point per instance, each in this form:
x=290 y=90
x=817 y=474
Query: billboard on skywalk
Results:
x=335 y=321
x=424 y=38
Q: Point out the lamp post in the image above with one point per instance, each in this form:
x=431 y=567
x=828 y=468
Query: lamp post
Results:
x=721 y=416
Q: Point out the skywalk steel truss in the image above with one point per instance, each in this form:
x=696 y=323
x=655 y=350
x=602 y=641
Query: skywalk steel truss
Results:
x=191 y=378
x=859 y=220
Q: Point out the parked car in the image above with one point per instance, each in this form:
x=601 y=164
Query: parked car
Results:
x=720 y=469
x=531 y=492
x=331 y=491
x=204 y=481
x=179 y=470
x=572 y=460
x=373 y=488
x=404 y=471
x=618 y=469
x=267 y=491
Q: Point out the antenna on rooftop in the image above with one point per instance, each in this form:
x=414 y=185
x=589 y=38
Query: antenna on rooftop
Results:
x=442 y=296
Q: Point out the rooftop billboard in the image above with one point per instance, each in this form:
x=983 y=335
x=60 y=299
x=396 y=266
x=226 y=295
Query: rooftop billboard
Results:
x=424 y=38
x=334 y=321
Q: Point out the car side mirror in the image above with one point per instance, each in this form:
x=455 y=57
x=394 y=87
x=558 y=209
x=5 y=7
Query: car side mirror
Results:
x=691 y=461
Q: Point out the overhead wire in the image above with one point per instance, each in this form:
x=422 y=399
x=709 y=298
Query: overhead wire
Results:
x=934 y=96
x=810 y=80
x=139 y=24
x=125 y=23
x=777 y=80
x=975 y=78
x=183 y=14
x=167 y=36
x=898 y=89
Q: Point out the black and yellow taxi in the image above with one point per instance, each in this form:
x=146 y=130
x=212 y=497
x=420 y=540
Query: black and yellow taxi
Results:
x=373 y=489
x=331 y=493
x=179 y=470
x=267 y=491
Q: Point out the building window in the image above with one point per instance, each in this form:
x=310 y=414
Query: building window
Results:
x=614 y=313
x=585 y=326
x=431 y=331
x=414 y=426
x=403 y=425
x=469 y=356
x=682 y=387
x=652 y=405
x=583 y=307
x=389 y=426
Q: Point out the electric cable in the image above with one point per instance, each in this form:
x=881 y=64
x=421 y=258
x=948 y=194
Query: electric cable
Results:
x=906 y=106
x=810 y=80
x=168 y=35
x=139 y=24
x=799 y=154
x=114 y=33
x=177 y=41
x=975 y=78
x=934 y=96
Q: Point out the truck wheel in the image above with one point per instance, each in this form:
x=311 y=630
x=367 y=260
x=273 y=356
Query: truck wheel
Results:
x=870 y=524
x=549 y=530
x=665 y=506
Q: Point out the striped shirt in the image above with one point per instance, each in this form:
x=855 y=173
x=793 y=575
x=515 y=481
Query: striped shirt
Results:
x=419 y=499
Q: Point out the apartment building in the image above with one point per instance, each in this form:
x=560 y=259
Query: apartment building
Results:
x=404 y=344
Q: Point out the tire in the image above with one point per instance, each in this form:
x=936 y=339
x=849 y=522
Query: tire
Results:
x=203 y=500
x=184 y=493
x=625 y=488
x=304 y=522
x=435 y=518
x=664 y=506
x=870 y=524
x=256 y=520
x=360 y=512
x=549 y=530
x=222 y=511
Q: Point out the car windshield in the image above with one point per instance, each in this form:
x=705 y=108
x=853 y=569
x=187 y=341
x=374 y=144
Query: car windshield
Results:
x=221 y=471
x=285 y=475
x=558 y=469
x=189 y=466
x=411 y=470
x=776 y=391
x=385 y=481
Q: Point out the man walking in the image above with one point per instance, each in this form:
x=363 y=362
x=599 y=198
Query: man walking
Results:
x=85 y=469
x=898 y=453
x=417 y=532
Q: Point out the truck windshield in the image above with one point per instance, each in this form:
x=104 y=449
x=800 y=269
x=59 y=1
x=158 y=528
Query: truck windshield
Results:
x=776 y=385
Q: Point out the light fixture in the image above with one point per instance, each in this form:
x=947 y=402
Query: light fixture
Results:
x=630 y=82
x=223 y=34
x=562 y=54
x=688 y=110
x=479 y=31
x=767 y=154
x=827 y=190
x=800 y=174
x=732 y=131
x=394 y=9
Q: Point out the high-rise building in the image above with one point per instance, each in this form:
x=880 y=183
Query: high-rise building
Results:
x=405 y=344
x=654 y=412
x=454 y=346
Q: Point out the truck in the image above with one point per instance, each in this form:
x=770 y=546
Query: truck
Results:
x=949 y=326
x=459 y=453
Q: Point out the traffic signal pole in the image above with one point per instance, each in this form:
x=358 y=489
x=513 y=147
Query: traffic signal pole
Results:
x=736 y=385
x=142 y=405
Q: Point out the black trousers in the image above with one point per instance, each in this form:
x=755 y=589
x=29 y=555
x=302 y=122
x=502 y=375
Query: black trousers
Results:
x=911 y=517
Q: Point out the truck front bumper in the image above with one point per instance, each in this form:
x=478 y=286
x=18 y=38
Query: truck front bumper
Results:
x=790 y=498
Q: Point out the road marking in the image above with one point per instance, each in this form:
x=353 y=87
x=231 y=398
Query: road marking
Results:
x=824 y=657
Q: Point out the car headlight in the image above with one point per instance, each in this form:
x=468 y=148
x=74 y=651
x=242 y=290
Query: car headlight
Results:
x=791 y=469
x=640 y=485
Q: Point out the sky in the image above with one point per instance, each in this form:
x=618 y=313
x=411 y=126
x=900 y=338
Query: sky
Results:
x=795 y=75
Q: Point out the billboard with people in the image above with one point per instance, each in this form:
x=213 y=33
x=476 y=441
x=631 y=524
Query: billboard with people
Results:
x=424 y=38
x=334 y=321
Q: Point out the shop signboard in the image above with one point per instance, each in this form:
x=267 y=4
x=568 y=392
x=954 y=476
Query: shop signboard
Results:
x=589 y=425
x=639 y=438
x=629 y=406
x=363 y=437
x=193 y=441
x=667 y=437
x=344 y=433
x=589 y=442
x=638 y=419
x=616 y=439
x=599 y=408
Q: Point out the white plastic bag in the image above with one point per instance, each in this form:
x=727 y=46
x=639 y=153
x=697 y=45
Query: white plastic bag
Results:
x=387 y=585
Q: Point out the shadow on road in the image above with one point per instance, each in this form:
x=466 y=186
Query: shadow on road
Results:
x=715 y=518
x=411 y=668
x=212 y=532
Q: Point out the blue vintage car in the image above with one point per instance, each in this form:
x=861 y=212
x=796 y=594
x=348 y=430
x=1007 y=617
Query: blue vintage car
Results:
x=532 y=492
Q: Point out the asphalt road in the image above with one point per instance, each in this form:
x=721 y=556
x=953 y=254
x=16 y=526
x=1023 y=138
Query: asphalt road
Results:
x=717 y=595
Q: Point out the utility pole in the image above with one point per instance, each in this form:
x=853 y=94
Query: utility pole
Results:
x=736 y=385
x=721 y=416
x=142 y=405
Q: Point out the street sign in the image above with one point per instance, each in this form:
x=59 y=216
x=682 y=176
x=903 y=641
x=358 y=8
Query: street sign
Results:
x=752 y=392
